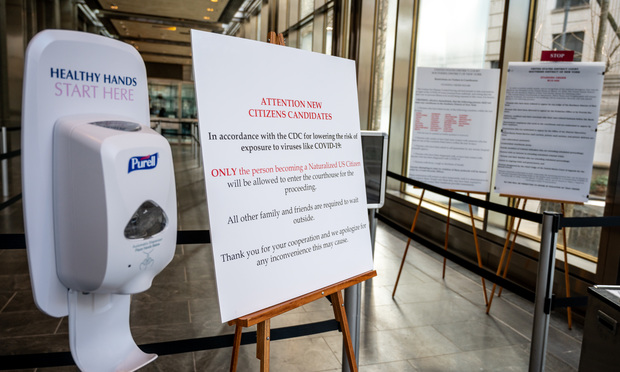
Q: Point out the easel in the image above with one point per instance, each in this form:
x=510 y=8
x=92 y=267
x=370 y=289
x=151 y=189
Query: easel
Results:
x=443 y=275
x=512 y=245
x=263 y=317
x=278 y=39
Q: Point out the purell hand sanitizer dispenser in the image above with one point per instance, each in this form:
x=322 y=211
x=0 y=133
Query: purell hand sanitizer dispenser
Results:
x=98 y=190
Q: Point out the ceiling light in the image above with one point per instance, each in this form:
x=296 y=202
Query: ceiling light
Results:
x=114 y=7
x=207 y=18
x=168 y=28
x=163 y=27
x=209 y=9
x=214 y=1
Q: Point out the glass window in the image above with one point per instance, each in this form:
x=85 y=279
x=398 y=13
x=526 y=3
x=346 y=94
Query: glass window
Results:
x=308 y=30
x=306 y=7
x=569 y=41
x=305 y=37
x=457 y=38
x=580 y=27
x=384 y=63
x=188 y=101
x=329 y=32
x=292 y=39
x=259 y=37
x=164 y=100
x=469 y=36
x=570 y=3
x=282 y=15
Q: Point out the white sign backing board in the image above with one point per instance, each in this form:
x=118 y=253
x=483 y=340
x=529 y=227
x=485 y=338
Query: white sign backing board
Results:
x=283 y=169
x=549 y=130
x=68 y=73
x=454 y=127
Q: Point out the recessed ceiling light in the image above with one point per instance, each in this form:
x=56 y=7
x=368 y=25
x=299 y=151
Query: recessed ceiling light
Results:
x=114 y=7
x=214 y=1
x=162 y=27
x=209 y=9
x=207 y=17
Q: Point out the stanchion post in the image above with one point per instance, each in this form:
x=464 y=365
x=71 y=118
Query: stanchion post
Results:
x=544 y=291
x=197 y=152
x=352 y=305
x=353 y=300
x=5 y=165
x=372 y=226
x=192 y=133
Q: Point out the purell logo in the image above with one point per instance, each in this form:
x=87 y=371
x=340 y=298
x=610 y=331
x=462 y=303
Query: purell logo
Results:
x=142 y=162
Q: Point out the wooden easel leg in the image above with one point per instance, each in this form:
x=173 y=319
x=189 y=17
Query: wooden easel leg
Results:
x=501 y=259
x=477 y=245
x=402 y=263
x=566 y=276
x=445 y=244
x=236 y=346
x=263 y=338
x=341 y=317
x=512 y=247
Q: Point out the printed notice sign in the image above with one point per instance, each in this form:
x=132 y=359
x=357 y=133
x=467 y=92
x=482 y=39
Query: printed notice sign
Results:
x=549 y=130
x=453 y=130
x=283 y=170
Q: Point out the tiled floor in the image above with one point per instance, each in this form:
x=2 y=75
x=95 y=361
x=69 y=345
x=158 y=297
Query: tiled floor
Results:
x=432 y=324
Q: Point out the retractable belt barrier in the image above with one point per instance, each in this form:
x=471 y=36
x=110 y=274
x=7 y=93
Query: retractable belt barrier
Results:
x=514 y=212
x=9 y=202
x=59 y=359
x=518 y=213
x=521 y=291
x=11 y=154
x=18 y=241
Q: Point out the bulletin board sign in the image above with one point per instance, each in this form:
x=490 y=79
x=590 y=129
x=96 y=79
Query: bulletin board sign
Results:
x=280 y=138
x=549 y=130
x=454 y=128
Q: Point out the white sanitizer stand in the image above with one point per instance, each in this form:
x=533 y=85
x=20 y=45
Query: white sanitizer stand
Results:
x=98 y=191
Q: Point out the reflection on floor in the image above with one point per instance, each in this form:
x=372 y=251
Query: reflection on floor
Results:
x=431 y=325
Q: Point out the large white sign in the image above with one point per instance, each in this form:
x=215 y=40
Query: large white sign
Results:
x=454 y=127
x=549 y=130
x=283 y=169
